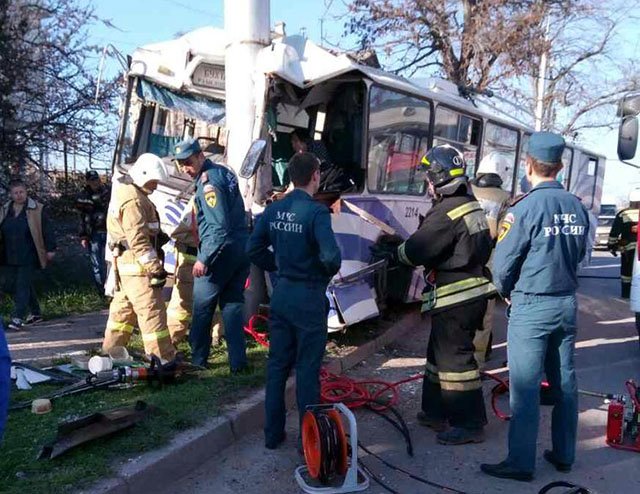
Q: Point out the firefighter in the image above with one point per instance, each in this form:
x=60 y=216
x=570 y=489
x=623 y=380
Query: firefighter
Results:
x=294 y=239
x=133 y=226
x=454 y=245
x=622 y=238
x=542 y=239
x=179 y=309
x=93 y=203
x=487 y=189
x=222 y=266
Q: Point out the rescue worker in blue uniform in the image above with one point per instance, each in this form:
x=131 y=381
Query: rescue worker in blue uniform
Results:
x=542 y=239
x=221 y=269
x=454 y=245
x=294 y=239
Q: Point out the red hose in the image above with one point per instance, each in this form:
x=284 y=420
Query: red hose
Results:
x=377 y=394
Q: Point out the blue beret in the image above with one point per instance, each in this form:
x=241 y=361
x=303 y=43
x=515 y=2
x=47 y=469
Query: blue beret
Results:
x=186 y=148
x=546 y=147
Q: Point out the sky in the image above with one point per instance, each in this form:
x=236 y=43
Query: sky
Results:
x=141 y=22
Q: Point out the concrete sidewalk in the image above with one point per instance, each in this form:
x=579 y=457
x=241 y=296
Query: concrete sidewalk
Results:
x=43 y=342
x=607 y=353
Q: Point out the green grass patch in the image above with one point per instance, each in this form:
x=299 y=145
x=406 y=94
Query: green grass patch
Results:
x=181 y=405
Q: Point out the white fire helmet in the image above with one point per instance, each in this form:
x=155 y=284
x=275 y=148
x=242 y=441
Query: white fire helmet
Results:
x=495 y=162
x=148 y=167
x=634 y=195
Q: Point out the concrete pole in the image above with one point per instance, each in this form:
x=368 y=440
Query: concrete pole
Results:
x=542 y=82
x=247 y=25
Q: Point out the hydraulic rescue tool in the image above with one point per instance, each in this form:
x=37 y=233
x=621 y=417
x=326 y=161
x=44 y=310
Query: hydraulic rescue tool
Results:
x=623 y=419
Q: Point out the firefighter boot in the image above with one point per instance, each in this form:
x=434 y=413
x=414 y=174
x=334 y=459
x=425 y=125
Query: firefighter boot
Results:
x=461 y=435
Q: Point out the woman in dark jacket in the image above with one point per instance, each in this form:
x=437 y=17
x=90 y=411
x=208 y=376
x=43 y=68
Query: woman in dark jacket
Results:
x=28 y=243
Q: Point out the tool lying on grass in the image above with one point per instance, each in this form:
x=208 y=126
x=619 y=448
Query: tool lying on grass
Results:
x=80 y=431
x=156 y=373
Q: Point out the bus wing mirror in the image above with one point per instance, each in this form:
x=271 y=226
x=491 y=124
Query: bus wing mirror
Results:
x=253 y=158
x=628 y=138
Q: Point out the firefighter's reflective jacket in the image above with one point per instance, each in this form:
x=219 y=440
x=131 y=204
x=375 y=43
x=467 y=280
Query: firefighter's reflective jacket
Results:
x=133 y=226
x=93 y=210
x=624 y=230
x=454 y=244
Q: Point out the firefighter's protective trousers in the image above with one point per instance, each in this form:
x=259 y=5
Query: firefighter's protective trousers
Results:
x=622 y=238
x=452 y=389
x=180 y=308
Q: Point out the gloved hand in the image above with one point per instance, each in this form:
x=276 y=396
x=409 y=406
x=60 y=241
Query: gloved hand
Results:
x=386 y=251
x=159 y=279
x=613 y=251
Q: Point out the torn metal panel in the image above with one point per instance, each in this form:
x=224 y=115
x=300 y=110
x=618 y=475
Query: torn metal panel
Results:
x=94 y=426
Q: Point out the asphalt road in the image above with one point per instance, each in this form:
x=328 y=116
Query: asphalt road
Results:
x=607 y=354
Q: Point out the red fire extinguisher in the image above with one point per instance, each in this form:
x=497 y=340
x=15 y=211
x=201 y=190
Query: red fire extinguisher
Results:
x=615 y=422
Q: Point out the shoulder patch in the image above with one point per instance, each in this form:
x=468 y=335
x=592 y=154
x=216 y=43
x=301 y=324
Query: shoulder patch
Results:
x=208 y=188
x=505 y=226
x=211 y=198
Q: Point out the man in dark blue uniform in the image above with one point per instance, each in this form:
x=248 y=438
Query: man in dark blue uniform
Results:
x=542 y=239
x=305 y=256
x=222 y=266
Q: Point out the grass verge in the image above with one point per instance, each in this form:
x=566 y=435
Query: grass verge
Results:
x=182 y=405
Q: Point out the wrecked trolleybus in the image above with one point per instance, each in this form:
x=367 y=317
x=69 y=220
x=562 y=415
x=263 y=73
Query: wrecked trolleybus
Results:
x=373 y=125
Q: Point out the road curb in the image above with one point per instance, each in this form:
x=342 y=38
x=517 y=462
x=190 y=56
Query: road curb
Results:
x=189 y=449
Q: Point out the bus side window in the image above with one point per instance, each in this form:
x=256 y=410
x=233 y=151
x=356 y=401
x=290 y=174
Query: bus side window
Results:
x=499 y=151
x=398 y=138
x=460 y=131
x=565 y=173
x=522 y=184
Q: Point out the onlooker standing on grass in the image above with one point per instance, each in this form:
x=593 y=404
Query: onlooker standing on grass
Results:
x=5 y=379
x=28 y=243
x=93 y=203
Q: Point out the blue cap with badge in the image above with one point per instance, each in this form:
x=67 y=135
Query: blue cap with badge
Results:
x=186 y=148
x=546 y=147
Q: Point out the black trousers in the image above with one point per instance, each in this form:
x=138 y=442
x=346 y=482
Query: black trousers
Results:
x=452 y=389
x=626 y=272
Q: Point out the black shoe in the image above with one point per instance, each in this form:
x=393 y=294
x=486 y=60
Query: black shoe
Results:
x=32 y=319
x=438 y=425
x=504 y=471
x=560 y=467
x=460 y=435
x=274 y=444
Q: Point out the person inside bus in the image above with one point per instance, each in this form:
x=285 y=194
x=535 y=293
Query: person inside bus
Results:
x=332 y=177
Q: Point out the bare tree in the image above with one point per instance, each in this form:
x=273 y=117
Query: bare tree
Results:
x=588 y=71
x=48 y=79
x=498 y=44
x=473 y=43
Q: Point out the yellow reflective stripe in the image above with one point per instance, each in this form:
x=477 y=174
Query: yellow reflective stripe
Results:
x=130 y=269
x=182 y=257
x=630 y=216
x=458 y=286
x=459 y=376
x=402 y=255
x=431 y=368
x=157 y=335
x=461 y=386
x=630 y=246
x=484 y=290
x=456 y=172
x=147 y=257
x=464 y=209
x=123 y=327
x=180 y=315
x=626 y=279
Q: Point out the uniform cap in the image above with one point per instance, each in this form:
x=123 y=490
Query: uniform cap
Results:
x=186 y=148
x=546 y=147
x=91 y=175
